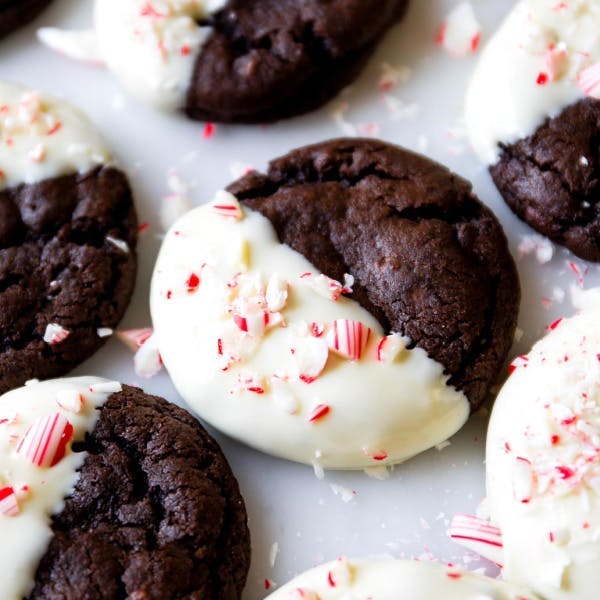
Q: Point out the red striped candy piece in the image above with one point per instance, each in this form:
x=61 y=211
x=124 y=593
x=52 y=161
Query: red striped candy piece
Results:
x=45 y=442
x=304 y=594
x=254 y=324
x=319 y=412
x=389 y=348
x=147 y=361
x=523 y=480
x=556 y=61
x=70 y=400
x=310 y=355
x=276 y=294
x=9 y=506
x=589 y=81
x=340 y=574
x=134 y=339
x=55 y=333
x=323 y=285
x=226 y=205
x=479 y=536
x=348 y=338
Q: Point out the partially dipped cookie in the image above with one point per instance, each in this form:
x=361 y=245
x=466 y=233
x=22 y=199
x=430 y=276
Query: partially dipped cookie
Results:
x=349 y=308
x=14 y=13
x=386 y=579
x=533 y=115
x=233 y=60
x=68 y=233
x=107 y=492
x=543 y=463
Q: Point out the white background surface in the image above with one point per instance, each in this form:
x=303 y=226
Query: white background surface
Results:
x=406 y=515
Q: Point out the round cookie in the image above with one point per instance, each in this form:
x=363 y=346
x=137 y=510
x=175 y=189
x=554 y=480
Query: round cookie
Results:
x=543 y=463
x=239 y=60
x=14 y=13
x=68 y=233
x=537 y=76
x=386 y=579
x=108 y=492
x=349 y=314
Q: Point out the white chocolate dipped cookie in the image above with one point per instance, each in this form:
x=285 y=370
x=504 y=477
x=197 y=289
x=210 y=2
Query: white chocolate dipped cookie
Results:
x=543 y=463
x=39 y=424
x=533 y=115
x=386 y=579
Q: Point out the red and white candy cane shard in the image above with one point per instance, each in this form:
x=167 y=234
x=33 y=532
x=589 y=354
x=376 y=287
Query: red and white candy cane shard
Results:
x=340 y=574
x=106 y=387
x=70 y=400
x=55 y=334
x=348 y=338
x=304 y=594
x=192 y=283
x=479 y=536
x=323 y=285
x=134 y=339
x=147 y=361
x=310 y=356
x=9 y=505
x=319 y=412
x=377 y=455
x=556 y=62
x=390 y=347
x=589 y=81
x=523 y=480
x=276 y=294
x=461 y=33
x=254 y=323
x=227 y=205
x=45 y=442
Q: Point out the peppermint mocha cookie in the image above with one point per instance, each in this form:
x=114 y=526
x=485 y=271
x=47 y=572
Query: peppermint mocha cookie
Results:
x=350 y=313
x=107 y=492
x=543 y=463
x=384 y=579
x=68 y=234
x=14 y=13
x=533 y=115
x=239 y=60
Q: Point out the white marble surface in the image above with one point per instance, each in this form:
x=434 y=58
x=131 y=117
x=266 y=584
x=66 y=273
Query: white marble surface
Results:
x=406 y=515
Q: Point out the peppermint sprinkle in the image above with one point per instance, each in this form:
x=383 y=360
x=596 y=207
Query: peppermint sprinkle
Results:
x=55 y=334
x=120 y=244
x=9 y=506
x=45 y=442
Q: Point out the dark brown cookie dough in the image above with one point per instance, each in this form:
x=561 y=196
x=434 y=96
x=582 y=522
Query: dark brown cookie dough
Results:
x=430 y=261
x=270 y=59
x=551 y=179
x=156 y=513
x=14 y=13
x=57 y=265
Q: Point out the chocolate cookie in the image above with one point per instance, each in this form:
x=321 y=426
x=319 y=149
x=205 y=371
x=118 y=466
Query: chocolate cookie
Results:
x=67 y=269
x=429 y=260
x=551 y=179
x=151 y=509
x=270 y=59
x=14 y=13
x=240 y=60
x=68 y=233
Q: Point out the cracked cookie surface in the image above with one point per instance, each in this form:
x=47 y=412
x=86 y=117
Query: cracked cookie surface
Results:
x=270 y=59
x=551 y=179
x=430 y=260
x=156 y=512
x=63 y=261
x=14 y=13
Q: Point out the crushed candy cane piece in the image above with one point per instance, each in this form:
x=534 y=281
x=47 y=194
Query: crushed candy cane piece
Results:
x=523 y=480
x=248 y=382
x=252 y=323
x=277 y=293
x=348 y=338
x=226 y=205
x=103 y=332
x=117 y=243
x=390 y=347
x=479 y=536
x=106 y=387
x=44 y=444
x=556 y=62
x=319 y=412
x=70 y=400
x=310 y=356
x=9 y=505
x=134 y=339
x=146 y=361
x=589 y=81
x=55 y=333
x=283 y=396
x=460 y=34
x=304 y=594
x=342 y=573
x=323 y=285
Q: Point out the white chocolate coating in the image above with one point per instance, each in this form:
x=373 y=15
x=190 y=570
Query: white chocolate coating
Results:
x=151 y=46
x=354 y=415
x=543 y=463
x=528 y=70
x=26 y=535
x=43 y=137
x=386 y=579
